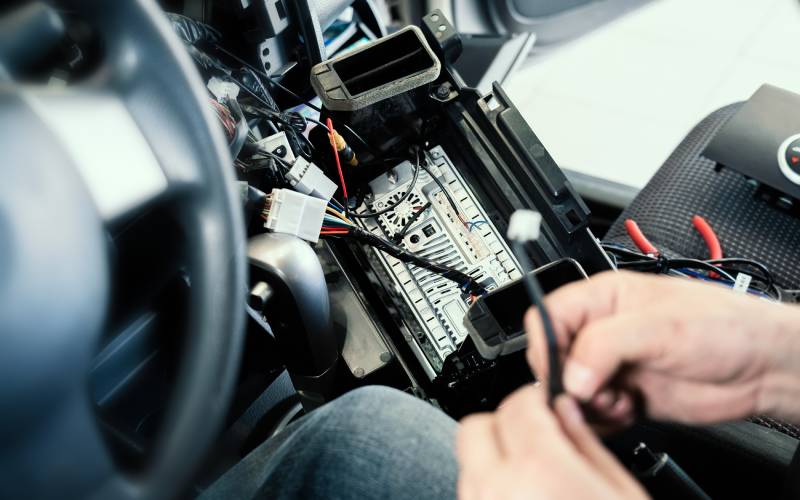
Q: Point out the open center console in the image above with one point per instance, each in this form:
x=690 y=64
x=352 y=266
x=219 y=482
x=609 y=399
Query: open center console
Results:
x=446 y=168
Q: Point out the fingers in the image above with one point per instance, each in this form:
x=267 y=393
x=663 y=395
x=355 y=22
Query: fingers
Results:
x=571 y=308
x=603 y=346
x=477 y=444
x=487 y=443
x=585 y=440
x=667 y=397
x=610 y=411
x=524 y=421
x=587 y=444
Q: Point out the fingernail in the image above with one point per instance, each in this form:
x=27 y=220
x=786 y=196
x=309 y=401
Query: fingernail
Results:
x=603 y=400
x=621 y=407
x=579 y=380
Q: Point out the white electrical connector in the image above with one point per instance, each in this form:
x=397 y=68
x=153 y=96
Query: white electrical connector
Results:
x=295 y=213
x=278 y=145
x=307 y=178
x=524 y=225
x=742 y=284
x=222 y=89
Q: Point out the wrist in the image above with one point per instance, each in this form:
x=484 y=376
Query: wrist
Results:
x=780 y=388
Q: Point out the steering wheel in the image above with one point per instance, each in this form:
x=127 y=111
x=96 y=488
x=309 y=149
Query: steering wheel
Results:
x=77 y=164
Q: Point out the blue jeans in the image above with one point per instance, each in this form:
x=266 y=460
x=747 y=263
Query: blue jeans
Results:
x=373 y=442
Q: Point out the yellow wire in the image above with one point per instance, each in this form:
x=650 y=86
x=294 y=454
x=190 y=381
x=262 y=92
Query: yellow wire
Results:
x=338 y=214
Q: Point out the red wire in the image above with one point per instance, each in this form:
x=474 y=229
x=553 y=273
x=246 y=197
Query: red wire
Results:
x=710 y=237
x=639 y=239
x=338 y=162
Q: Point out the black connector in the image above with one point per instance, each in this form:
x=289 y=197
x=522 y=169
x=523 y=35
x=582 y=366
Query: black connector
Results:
x=663 y=477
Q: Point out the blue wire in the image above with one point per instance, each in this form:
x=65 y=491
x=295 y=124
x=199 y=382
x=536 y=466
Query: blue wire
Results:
x=473 y=225
x=329 y=219
x=336 y=205
x=726 y=283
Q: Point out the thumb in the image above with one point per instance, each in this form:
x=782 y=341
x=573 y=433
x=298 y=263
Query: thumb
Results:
x=603 y=346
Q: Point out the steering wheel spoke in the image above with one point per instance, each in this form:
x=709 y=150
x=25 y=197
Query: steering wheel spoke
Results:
x=114 y=158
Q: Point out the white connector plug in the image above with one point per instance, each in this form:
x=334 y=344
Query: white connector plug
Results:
x=276 y=144
x=307 y=178
x=524 y=226
x=222 y=89
x=295 y=213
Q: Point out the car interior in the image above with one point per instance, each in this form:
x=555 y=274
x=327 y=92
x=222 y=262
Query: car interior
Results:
x=216 y=216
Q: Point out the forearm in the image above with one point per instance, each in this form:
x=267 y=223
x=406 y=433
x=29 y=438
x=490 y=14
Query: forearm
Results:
x=780 y=391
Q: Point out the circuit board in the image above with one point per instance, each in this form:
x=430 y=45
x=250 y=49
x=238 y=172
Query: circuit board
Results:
x=453 y=230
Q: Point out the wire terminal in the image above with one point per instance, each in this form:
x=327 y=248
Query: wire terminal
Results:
x=277 y=144
x=344 y=149
x=289 y=212
x=524 y=226
x=307 y=178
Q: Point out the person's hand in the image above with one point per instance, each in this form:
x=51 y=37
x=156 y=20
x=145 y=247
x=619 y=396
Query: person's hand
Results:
x=688 y=352
x=526 y=450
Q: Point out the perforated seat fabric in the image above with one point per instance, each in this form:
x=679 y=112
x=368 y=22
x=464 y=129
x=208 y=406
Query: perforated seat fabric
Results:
x=688 y=185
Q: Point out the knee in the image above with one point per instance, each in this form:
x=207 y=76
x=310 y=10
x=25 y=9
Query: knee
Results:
x=378 y=396
x=386 y=411
x=374 y=442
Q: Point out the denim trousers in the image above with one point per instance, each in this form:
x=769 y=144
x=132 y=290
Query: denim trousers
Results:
x=371 y=443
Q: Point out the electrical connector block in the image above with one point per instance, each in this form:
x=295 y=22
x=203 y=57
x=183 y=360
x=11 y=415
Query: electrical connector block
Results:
x=294 y=213
x=222 y=89
x=278 y=145
x=307 y=178
x=524 y=226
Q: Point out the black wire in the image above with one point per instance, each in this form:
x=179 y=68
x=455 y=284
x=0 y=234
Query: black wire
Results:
x=537 y=297
x=623 y=252
x=318 y=122
x=466 y=282
x=404 y=197
x=267 y=98
x=293 y=94
x=411 y=220
x=450 y=200
x=721 y=266
x=273 y=156
x=663 y=264
x=274 y=116
x=757 y=275
x=747 y=262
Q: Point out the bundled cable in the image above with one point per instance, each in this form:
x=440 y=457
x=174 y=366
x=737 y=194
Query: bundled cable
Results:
x=337 y=224
x=242 y=129
x=192 y=31
x=226 y=119
x=411 y=220
x=721 y=271
x=716 y=268
x=297 y=97
x=446 y=194
x=465 y=281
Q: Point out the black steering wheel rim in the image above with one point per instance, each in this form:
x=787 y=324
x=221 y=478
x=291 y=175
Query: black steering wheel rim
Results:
x=153 y=110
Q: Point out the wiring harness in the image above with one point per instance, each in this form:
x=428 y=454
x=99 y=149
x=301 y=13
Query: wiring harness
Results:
x=337 y=225
x=746 y=275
